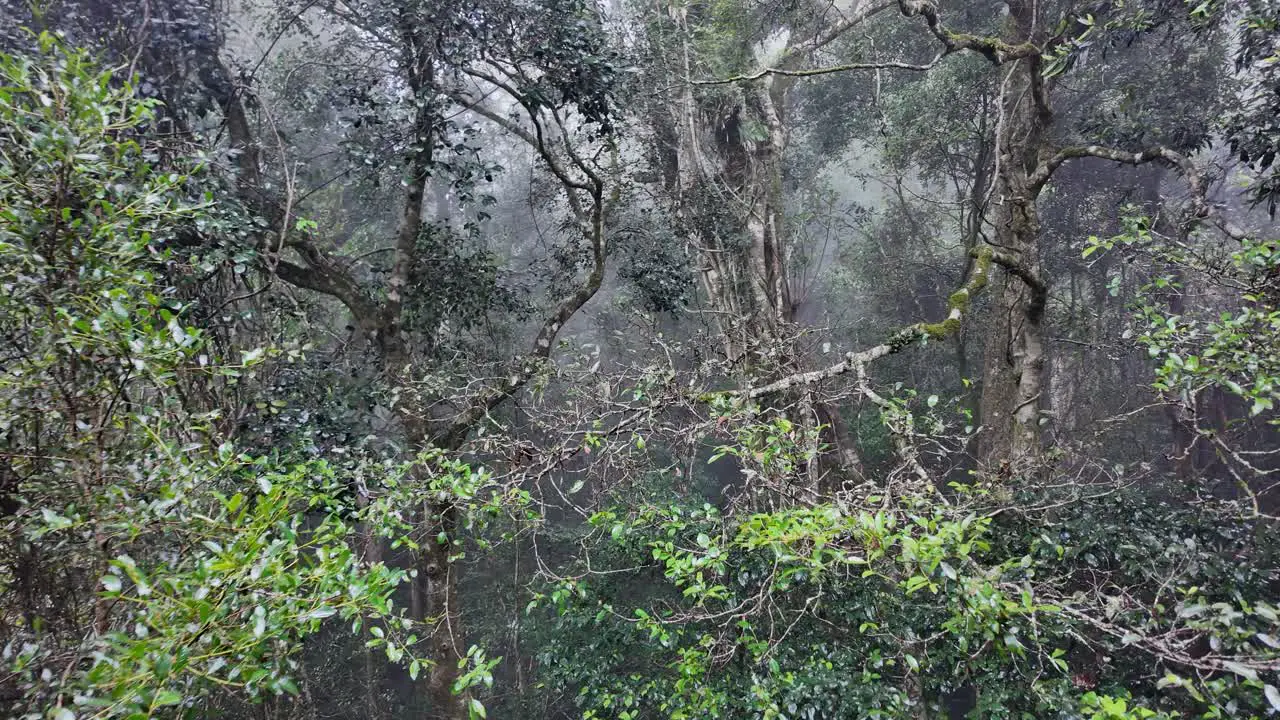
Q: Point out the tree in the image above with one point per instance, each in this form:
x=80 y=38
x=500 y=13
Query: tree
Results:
x=1025 y=157
x=382 y=329
x=434 y=61
x=143 y=574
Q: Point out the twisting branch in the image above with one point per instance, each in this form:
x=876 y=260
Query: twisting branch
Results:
x=1014 y=266
x=1200 y=206
x=994 y=49
x=1179 y=162
x=898 y=430
x=590 y=214
x=534 y=140
x=452 y=434
x=793 y=54
x=842 y=27
x=323 y=274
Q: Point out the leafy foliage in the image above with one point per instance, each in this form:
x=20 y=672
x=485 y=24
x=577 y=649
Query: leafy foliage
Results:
x=152 y=563
x=225 y=358
x=1234 y=348
x=1251 y=135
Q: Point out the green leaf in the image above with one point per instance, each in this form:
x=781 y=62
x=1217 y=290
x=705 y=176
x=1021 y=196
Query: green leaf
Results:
x=1243 y=671
x=168 y=697
x=476 y=709
x=321 y=613
x=1260 y=405
x=1273 y=696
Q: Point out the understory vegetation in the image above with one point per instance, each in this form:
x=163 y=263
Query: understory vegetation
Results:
x=645 y=359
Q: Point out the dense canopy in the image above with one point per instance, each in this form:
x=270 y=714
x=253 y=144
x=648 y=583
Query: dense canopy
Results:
x=645 y=359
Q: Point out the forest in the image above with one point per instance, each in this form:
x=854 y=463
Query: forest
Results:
x=639 y=359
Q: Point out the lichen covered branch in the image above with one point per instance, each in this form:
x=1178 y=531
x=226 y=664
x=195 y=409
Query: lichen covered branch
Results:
x=994 y=49
x=957 y=308
x=1200 y=208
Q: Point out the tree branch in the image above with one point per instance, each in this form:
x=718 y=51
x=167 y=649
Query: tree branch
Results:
x=958 y=306
x=1014 y=266
x=453 y=434
x=536 y=142
x=591 y=217
x=1200 y=207
x=841 y=28
x=994 y=49
x=323 y=275
x=887 y=65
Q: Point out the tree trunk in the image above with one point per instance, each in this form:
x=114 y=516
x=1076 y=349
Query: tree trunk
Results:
x=1014 y=361
x=728 y=201
x=439 y=582
x=372 y=556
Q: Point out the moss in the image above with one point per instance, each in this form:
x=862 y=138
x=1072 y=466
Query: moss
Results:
x=984 y=256
x=981 y=273
x=959 y=301
x=940 y=330
x=994 y=49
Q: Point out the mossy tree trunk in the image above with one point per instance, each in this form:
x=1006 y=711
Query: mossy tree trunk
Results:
x=1014 y=358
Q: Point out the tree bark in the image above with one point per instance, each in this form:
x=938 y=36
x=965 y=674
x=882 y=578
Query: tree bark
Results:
x=439 y=580
x=1014 y=359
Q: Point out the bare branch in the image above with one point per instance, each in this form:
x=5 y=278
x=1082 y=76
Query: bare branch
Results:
x=816 y=43
x=899 y=431
x=841 y=28
x=1200 y=207
x=888 y=65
